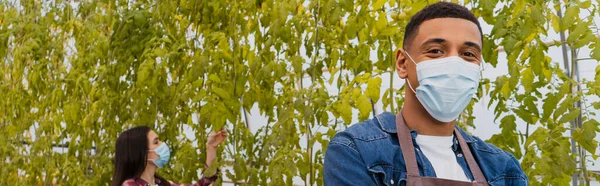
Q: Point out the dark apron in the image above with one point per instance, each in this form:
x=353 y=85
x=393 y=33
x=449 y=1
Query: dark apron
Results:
x=413 y=177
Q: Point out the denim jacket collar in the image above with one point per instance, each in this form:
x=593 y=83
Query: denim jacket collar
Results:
x=387 y=122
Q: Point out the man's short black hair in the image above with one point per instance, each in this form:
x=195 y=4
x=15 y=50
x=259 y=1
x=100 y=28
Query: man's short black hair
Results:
x=437 y=10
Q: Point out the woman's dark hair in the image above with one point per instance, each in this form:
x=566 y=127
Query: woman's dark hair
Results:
x=131 y=154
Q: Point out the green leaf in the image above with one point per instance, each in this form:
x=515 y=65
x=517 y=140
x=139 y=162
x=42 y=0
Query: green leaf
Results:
x=587 y=38
x=529 y=102
x=577 y=32
x=505 y=90
x=597 y=77
x=563 y=107
x=539 y=135
x=144 y=71
x=585 y=4
x=569 y=116
x=556 y=23
x=508 y=139
x=549 y=105
x=570 y=13
x=374 y=88
x=509 y=44
x=538 y=61
x=345 y=111
x=378 y=4
x=214 y=78
x=389 y=31
x=159 y=52
x=490 y=54
x=508 y=123
x=519 y=5
x=527 y=80
x=524 y=114
x=537 y=15
x=596 y=51
x=563 y=90
x=381 y=21
x=596 y=105
x=222 y=93
x=586 y=135
x=364 y=107
x=362 y=35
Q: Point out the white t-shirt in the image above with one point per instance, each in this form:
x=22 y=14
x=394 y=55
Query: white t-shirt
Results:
x=438 y=150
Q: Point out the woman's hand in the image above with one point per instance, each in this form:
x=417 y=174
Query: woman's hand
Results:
x=212 y=143
x=216 y=138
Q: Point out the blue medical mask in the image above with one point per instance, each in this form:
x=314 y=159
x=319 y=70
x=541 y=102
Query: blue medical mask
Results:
x=446 y=86
x=164 y=153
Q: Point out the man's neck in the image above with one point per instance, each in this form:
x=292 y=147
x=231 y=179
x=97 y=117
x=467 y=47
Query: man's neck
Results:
x=148 y=174
x=417 y=118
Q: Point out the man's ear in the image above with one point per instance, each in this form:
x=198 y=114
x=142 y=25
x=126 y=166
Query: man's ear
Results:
x=401 y=64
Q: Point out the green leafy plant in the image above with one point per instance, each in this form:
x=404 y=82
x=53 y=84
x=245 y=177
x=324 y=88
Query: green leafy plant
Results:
x=75 y=74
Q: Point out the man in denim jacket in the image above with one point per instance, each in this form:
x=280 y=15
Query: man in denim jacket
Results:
x=440 y=62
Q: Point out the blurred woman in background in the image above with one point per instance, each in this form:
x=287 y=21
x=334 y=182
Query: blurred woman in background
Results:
x=139 y=152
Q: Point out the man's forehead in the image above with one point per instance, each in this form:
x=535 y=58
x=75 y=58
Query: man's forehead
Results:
x=453 y=30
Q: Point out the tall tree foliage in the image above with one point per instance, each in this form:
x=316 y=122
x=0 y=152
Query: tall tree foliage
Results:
x=77 y=73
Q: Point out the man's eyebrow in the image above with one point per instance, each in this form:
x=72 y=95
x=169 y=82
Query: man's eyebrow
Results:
x=472 y=44
x=155 y=139
x=434 y=40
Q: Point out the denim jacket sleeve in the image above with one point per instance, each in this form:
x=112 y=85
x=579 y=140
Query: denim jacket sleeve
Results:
x=514 y=173
x=341 y=156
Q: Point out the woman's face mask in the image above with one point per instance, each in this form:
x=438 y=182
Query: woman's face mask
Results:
x=164 y=153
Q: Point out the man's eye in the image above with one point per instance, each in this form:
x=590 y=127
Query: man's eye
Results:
x=469 y=54
x=435 y=51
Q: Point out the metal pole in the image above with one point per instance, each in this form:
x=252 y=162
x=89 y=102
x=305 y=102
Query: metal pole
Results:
x=578 y=120
x=574 y=176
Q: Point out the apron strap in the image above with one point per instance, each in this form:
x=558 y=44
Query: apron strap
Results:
x=410 y=159
x=475 y=170
x=406 y=144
